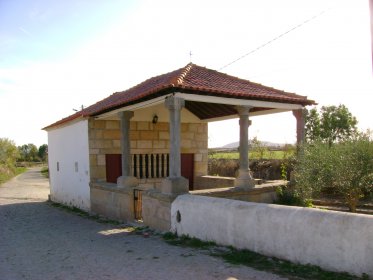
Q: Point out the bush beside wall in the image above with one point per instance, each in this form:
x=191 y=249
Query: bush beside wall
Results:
x=261 y=169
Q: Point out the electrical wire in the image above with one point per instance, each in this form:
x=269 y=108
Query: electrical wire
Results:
x=275 y=39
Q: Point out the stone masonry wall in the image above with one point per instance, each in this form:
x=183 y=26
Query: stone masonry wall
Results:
x=146 y=138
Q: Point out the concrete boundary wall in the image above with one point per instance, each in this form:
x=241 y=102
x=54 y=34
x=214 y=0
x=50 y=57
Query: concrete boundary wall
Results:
x=332 y=240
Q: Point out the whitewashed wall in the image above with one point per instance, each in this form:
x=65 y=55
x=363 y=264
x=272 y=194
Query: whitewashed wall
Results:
x=68 y=148
x=332 y=240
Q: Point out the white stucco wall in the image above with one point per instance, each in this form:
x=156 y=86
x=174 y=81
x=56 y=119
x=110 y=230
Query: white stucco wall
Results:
x=68 y=148
x=332 y=240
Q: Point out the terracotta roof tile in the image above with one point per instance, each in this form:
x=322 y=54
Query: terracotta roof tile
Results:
x=190 y=79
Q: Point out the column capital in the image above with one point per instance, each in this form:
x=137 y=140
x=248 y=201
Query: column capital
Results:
x=300 y=117
x=243 y=110
x=125 y=114
x=249 y=122
x=174 y=103
x=299 y=113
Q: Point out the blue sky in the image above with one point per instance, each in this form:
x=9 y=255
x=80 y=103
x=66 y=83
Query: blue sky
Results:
x=51 y=30
x=59 y=55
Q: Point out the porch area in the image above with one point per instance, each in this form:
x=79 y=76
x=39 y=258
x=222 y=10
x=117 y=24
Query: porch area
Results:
x=139 y=166
x=156 y=147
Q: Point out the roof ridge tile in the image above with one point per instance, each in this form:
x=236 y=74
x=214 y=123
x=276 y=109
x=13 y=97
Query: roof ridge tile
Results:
x=180 y=79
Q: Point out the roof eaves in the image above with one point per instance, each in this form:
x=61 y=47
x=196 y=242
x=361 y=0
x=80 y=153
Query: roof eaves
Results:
x=297 y=99
x=72 y=118
x=140 y=98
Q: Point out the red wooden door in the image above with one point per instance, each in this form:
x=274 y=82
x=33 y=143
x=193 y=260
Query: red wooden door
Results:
x=113 y=167
x=187 y=168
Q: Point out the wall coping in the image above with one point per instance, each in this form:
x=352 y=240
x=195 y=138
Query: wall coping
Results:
x=218 y=177
x=263 y=188
x=111 y=187
x=153 y=193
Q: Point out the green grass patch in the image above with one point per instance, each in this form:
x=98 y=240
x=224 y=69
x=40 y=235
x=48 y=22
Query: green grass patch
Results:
x=45 y=171
x=224 y=155
x=252 y=155
x=187 y=241
x=258 y=261
x=9 y=174
x=20 y=170
x=282 y=267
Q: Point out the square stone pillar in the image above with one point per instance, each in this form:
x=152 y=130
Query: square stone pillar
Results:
x=244 y=179
x=175 y=183
x=126 y=180
x=157 y=204
x=299 y=116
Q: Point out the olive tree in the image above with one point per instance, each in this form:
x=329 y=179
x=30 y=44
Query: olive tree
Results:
x=8 y=154
x=345 y=168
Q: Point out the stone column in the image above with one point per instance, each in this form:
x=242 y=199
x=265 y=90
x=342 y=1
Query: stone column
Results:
x=126 y=180
x=175 y=183
x=244 y=179
x=299 y=116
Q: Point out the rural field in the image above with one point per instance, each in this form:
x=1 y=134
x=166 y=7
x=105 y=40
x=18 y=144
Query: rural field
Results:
x=252 y=155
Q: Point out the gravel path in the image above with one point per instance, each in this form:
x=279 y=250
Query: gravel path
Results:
x=38 y=241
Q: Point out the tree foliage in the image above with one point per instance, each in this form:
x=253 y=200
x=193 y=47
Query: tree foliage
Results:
x=330 y=125
x=43 y=152
x=8 y=153
x=258 y=148
x=28 y=153
x=345 y=168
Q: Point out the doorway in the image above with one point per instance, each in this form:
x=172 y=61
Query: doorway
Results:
x=187 y=168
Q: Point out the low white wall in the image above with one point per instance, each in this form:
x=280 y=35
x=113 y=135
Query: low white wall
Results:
x=332 y=240
x=68 y=149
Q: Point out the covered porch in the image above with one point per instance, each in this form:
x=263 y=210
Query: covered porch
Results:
x=153 y=156
x=152 y=136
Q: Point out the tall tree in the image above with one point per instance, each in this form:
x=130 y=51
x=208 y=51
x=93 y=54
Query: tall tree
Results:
x=43 y=151
x=23 y=152
x=312 y=125
x=28 y=153
x=330 y=125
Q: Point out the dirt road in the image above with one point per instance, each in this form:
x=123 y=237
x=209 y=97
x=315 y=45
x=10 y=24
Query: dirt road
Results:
x=38 y=241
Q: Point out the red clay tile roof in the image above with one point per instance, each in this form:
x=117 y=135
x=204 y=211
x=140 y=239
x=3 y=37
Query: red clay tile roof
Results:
x=191 y=79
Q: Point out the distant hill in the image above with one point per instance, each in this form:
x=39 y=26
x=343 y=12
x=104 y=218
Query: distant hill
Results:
x=232 y=145
x=235 y=145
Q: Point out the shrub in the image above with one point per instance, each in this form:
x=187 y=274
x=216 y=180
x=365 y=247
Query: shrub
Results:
x=288 y=195
x=261 y=169
x=223 y=167
x=258 y=148
x=8 y=153
x=344 y=168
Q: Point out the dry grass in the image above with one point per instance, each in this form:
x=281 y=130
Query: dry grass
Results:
x=7 y=173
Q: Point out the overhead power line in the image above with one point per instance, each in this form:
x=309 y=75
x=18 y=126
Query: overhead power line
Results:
x=274 y=39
